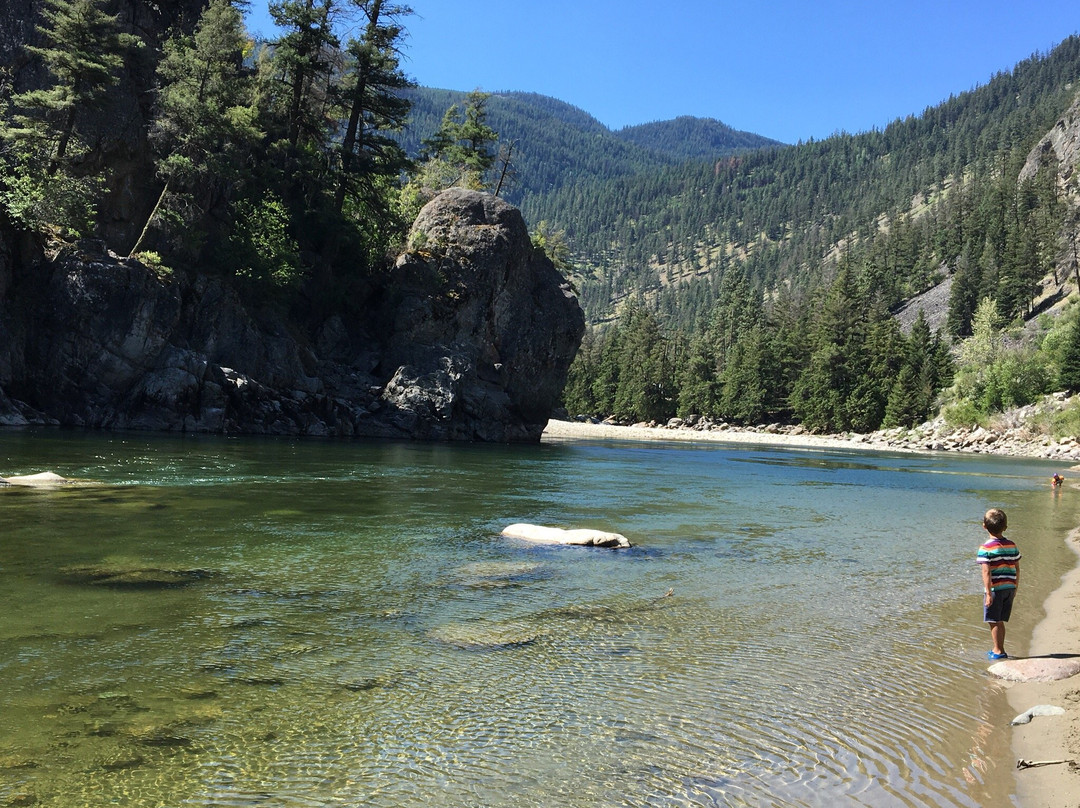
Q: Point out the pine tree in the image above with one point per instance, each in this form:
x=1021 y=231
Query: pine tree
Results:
x=371 y=92
x=744 y=393
x=204 y=128
x=46 y=182
x=697 y=380
x=302 y=65
x=1069 y=373
x=462 y=150
x=83 y=51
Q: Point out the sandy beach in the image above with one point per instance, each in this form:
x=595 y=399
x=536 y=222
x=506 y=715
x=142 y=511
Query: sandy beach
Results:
x=578 y=430
x=1051 y=740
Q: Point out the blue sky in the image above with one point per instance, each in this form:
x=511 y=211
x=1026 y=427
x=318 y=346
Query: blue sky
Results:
x=787 y=70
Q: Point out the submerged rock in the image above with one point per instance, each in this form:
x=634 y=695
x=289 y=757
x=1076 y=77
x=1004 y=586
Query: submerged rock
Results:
x=120 y=762
x=486 y=636
x=131 y=577
x=497 y=574
x=384 y=681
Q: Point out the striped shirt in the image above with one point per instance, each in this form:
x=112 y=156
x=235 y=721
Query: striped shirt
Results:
x=1002 y=556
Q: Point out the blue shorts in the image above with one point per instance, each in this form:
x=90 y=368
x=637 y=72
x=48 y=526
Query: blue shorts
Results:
x=1000 y=607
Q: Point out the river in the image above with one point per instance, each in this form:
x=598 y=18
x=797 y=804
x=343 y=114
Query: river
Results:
x=237 y=621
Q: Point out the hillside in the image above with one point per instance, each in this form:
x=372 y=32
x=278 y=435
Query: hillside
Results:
x=557 y=145
x=726 y=276
x=662 y=207
x=764 y=286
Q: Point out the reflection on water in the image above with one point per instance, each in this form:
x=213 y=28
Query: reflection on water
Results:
x=242 y=622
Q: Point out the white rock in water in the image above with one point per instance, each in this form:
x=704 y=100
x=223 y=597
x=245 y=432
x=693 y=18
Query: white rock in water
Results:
x=556 y=535
x=44 y=478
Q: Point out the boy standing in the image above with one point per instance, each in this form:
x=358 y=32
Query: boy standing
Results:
x=999 y=560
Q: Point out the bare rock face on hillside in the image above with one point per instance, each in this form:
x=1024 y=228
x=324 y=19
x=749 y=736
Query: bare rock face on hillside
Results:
x=1061 y=147
x=468 y=337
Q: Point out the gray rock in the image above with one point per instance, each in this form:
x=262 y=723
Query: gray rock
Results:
x=1041 y=709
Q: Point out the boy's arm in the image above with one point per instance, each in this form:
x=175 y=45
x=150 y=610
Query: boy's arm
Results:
x=988 y=593
x=1018 y=573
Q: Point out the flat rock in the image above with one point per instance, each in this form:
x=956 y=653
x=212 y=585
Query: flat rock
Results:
x=1050 y=668
x=483 y=635
x=119 y=577
x=497 y=574
x=583 y=537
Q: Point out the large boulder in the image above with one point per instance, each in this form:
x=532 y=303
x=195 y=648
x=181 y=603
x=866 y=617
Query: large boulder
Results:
x=485 y=327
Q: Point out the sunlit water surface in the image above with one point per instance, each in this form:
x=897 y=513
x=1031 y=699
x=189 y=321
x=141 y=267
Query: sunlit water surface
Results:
x=240 y=622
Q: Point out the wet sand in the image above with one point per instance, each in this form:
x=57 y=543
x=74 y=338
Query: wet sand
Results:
x=1052 y=738
x=1047 y=738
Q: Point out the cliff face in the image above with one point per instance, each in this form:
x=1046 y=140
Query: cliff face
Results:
x=468 y=337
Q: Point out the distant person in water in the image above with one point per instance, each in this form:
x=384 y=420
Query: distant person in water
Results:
x=1056 y=480
x=999 y=560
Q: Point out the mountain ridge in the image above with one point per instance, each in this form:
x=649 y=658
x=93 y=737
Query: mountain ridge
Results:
x=557 y=143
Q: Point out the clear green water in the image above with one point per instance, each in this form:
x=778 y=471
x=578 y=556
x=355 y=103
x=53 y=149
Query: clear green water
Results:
x=341 y=624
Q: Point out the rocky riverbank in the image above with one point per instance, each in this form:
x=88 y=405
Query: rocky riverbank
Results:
x=1020 y=432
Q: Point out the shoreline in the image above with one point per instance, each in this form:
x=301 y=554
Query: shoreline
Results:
x=1044 y=739
x=930 y=437
x=1056 y=738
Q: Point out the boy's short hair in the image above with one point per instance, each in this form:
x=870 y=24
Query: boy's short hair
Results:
x=995 y=521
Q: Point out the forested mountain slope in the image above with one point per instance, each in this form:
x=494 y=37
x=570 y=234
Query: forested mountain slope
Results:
x=762 y=285
x=556 y=144
x=783 y=211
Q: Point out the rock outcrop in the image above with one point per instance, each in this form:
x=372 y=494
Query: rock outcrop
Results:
x=469 y=337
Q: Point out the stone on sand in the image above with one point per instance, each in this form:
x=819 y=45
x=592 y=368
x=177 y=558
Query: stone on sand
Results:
x=1049 y=668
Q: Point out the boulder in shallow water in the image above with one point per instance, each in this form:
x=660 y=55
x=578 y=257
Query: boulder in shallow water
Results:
x=582 y=537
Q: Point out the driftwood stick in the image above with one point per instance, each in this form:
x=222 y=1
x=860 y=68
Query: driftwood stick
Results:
x=1030 y=764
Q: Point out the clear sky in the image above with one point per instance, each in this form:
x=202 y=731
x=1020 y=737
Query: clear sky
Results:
x=790 y=69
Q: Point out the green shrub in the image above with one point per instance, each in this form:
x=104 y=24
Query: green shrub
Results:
x=1066 y=423
x=152 y=261
x=38 y=201
x=964 y=412
x=260 y=245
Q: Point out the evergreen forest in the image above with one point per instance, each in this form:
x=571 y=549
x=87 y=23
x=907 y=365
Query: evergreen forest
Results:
x=723 y=274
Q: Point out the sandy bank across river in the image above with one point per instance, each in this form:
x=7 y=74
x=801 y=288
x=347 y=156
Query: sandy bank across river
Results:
x=1055 y=738
x=578 y=430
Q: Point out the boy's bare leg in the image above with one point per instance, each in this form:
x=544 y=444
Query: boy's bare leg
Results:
x=997 y=635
